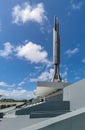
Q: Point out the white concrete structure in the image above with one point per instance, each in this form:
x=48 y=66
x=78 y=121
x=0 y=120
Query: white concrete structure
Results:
x=75 y=93
x=45 y=88
x=74 y=120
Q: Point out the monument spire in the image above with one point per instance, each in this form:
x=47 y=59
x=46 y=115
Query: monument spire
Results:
x=56 y=50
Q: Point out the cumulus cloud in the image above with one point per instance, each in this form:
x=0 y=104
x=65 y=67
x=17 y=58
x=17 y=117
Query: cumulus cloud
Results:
x=4 y=84
x=11 y=92
x=17 y=94
x=32 y=52
x=44 y=76
x=48 y=75
x=8 y=49
x=70 y=52
x=26 y=12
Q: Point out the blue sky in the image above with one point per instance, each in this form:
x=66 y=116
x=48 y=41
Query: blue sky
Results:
x=26 y=43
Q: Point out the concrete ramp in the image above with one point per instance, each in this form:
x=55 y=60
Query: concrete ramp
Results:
x=70 y=121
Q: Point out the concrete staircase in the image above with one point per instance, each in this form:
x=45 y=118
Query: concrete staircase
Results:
x=46 y=109
x=46 y=114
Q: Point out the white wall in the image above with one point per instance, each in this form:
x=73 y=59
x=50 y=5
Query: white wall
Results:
x=75 y=93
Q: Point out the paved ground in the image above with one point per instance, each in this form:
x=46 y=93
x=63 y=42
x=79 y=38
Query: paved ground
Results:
x=13 y=122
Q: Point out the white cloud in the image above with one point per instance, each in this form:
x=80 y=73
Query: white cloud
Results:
x=64 y=74
x=83 y=60
x=76 y=6
x=38 y=67
x=70 y=52
x=21 y=83
x=8 y=49
x=44 y=76
x=27 y=12
x=32 y=52
x=17 y=94
x=47 y=75
x=4 y=84
x=11 y=92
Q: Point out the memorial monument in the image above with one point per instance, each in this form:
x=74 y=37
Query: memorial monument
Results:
x=58 y=106
x=44 y=88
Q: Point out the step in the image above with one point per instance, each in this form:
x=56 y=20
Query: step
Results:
x=46 y=114
x=47 y=106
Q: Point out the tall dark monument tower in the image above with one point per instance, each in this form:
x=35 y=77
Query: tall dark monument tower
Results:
x=56 y=50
